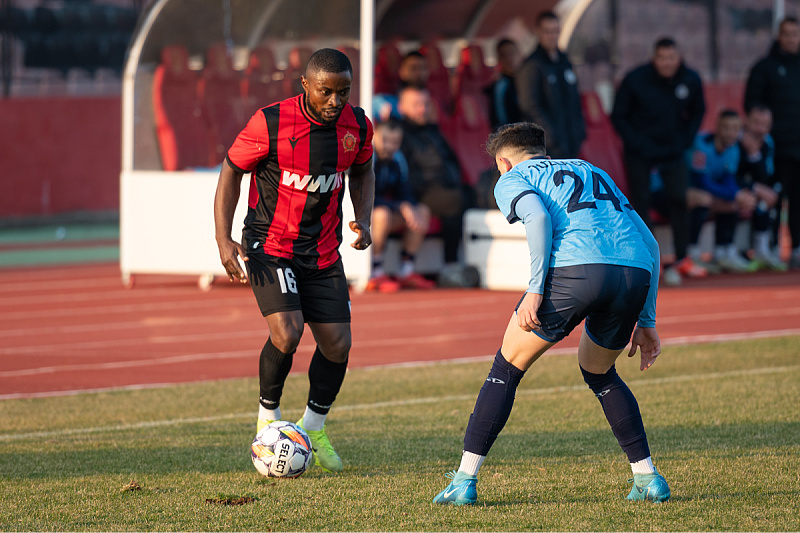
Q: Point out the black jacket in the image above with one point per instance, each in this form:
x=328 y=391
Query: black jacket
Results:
x=775 y=82
x=658 y=117
x=502 y=97
x=547 y=93
x=431 y=160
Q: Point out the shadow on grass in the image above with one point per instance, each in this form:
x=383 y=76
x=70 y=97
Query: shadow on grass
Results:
x=426 y=454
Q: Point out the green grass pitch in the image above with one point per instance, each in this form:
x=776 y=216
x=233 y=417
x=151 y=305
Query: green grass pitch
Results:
x=723 y=422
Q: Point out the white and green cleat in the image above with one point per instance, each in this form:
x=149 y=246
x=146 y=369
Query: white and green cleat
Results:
x=262 y=423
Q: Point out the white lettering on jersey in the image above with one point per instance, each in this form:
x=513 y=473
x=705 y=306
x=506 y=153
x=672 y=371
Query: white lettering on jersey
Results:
x=322 y=183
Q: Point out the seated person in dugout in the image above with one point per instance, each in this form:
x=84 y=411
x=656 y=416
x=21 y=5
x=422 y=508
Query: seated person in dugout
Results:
x=756 y=172
x=395 y=210
x=715 y=192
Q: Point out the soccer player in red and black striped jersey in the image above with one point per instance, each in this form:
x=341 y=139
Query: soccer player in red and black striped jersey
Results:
x=297 y=152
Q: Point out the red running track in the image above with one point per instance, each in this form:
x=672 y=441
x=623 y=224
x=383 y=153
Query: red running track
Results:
x=77 y=328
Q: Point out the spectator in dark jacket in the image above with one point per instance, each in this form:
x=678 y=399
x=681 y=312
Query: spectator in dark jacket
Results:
x=775 y=82
x=433 y=169
x=502 y=93
x=657 y=111
x=547 y=91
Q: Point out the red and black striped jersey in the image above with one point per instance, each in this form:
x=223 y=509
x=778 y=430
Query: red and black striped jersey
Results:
x=297 y=170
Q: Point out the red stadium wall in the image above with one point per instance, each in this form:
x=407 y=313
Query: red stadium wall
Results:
x=59 y=155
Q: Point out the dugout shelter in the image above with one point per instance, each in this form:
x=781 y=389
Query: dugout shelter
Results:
x=196 y=70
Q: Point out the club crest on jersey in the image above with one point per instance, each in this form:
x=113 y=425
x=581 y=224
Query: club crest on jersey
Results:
x=349 y=142
x=323 y=183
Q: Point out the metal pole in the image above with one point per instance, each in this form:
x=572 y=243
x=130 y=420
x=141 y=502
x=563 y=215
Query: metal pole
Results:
x=6 y=43
x=778 y=12
x=367 y=54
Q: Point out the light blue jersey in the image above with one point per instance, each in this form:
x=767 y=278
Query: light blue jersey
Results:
x=589 y=214
x=592 y=221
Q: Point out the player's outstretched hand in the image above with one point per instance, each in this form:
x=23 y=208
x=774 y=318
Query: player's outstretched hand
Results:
x=646 y=339
x=527 y=317
x=229 y=253
x=364 y=238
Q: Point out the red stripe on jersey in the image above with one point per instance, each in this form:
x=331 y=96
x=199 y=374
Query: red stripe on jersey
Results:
x=251 y=145
x=253 y=196
x=353 y=148
x=328 y=247
x=293 y=153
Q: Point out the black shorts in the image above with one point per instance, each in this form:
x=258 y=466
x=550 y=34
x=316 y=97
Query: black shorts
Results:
x=609 y=297
x=281 y=284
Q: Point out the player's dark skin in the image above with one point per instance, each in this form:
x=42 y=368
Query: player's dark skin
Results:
x=326 y=95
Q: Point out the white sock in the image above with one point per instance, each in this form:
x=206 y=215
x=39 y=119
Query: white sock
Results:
x=720 y=251
x=693 y=251
x=471 y=463
x=761 y=243
x=269 y=414
x=312 y=420
x=406 y=269
x=645 y=466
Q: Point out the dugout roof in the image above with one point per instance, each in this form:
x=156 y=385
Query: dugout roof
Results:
x=284 y=24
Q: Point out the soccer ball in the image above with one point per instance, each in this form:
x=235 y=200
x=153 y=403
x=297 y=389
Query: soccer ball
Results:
x=281 y=449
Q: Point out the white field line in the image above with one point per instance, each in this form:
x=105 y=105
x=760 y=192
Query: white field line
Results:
x=476 y=301
x=389 y=404
x=380 y=343
x=48 y=349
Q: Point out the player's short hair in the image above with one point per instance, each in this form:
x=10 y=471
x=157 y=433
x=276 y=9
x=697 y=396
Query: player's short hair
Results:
x=390 y=124
x=504 y=42
x=758 y=107
x=664 y=42
x=545 y=15
x=728 y=113
x=329 y=60
x=524 y=137
x=789 y=20
x=413 y=54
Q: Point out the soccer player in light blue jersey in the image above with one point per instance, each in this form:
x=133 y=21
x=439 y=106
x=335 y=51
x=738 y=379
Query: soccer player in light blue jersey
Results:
x=593 y=258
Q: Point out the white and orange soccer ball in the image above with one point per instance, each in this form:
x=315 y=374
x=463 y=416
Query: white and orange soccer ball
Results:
x=281 y=450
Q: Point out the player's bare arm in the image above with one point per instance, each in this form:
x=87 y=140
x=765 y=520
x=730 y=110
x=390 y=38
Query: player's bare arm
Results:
x=225 y=200
x=646 y=339
x=362 y=193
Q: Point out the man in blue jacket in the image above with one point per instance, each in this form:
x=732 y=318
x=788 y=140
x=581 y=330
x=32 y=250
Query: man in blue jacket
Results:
x=714 y=190
x=657 y=111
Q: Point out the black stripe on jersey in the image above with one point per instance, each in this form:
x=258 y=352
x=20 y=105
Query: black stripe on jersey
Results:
x=265 y=209
x=512 y=215
x=361 y=118
x=323 y=147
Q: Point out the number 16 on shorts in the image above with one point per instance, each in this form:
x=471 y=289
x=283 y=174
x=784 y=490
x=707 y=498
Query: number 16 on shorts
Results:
x=287 y=280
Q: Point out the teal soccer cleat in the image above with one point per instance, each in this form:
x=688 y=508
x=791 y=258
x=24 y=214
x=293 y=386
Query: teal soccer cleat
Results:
x=460 y=491
x=649 y=487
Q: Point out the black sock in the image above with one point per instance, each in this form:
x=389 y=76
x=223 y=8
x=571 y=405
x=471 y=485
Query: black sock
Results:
x=326 y=379
x=622 y=412
x=697 y=217
x=407 y=256
x=760 y=220
x=493 y=406
x=273 y=367
x=726 y=227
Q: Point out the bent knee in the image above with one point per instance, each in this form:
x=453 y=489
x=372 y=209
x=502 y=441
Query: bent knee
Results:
x=336 y=348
